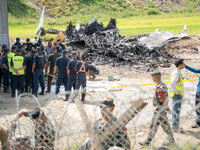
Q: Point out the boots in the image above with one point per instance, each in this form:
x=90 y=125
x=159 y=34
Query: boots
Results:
x=67 y=97
x=145 y=143
x=5 y=90
x=83 y=98
x=42 y=92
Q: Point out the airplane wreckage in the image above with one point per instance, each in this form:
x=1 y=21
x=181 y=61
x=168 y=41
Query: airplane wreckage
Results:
x=104 y=45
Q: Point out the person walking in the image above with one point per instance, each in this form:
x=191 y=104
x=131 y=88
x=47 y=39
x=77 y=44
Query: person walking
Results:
x=176 y=92
x=160 y=102
x=39 y=63
x=61 y=70
x=52 y=60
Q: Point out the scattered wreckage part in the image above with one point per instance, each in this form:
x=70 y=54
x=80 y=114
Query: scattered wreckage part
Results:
x=61 y=36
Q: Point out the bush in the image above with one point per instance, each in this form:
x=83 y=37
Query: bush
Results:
x=153 y=12
x=150 y=5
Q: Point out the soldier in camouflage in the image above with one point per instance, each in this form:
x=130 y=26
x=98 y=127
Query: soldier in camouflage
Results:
x=160 y=102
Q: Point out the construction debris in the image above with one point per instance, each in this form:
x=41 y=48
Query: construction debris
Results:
x=105 y=45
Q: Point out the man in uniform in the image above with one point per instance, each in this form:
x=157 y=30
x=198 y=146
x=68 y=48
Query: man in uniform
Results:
x=17 y=43
x=160 y=101
x=176 y=92
x=81 y=69
x=39 y=44
x=29 y=73
x=18 y=65
x=29 y=44
x=119 y=138
x=39 y=63
x=59 y=48
x=5 y=71
x=71 y=74
x=61 y=70
x=59 y=42
x=44 y=130
x=52 y=60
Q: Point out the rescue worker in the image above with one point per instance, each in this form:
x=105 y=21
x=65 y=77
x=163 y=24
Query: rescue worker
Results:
x=120 y=137
x=18 y=65
x=5 y=71
x=44 y=130
x=81 y=69
x=10 y=56
x=93 y=71
x=52 y=60
x=29 y=44
x=59 y=42
x=17 y=43
x=71 y=74
x=59 y=48
x=176 y=92
x=61 y=70
x=39 y=63
x=28 y=72
x=1 y=63
x=160 y=101
x=197 y=99
x=4 y=46
x=39 y=44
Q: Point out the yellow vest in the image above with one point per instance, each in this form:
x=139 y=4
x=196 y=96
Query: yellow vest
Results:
x=179 y=85
x=18 y=63
x=9 y=57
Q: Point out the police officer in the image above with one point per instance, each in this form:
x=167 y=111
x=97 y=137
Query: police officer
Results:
x=71 y=74
x=17 y=43
x=5 y=71
x=59 y=48
x=59 y=42
x=52 y=60
x=29 y=73
x=61 y=70
x=4 y=46
x=82 y=69
x=39 y=63
x=29 y=44
x=18 y=65
x=10 y=56
x=39 y=44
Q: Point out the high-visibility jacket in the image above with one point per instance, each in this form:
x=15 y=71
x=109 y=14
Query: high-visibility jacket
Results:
x=18 y=63
x=179 y=85
x=9 y=57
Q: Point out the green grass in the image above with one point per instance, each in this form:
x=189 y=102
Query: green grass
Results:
x=135 y=25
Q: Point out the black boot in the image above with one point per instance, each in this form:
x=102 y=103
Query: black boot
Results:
x=145 y=143
x=67 y=97
x=5 y=90
x=83 y=98
x=35 y=94
x=42 y=93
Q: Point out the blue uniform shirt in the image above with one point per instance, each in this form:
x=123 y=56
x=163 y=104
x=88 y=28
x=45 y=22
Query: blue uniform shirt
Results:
x=71 y=66
x=18 y=45
x=78 y=66
x=195 y=71
x=35 y=59
x=29 y=62
x=5 y=60
x=59 y=49
x=36 y=45
x=62 y=46
x=24 y=63
x=30 y=45
x=61 y=63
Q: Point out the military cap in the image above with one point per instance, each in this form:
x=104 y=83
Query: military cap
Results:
x=17 y=39
x=74 y=53
x=27 y=39
x=13 y=47
x=19 y=50
x=6 y=50
x=58 y=40
x=4 y=46
x=155 y=73
x=107 y=102
x=38 y=48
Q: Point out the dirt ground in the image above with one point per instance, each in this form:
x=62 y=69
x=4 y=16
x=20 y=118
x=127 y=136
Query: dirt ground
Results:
x=70 y=126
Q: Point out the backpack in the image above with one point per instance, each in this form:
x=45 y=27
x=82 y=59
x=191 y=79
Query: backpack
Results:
x=39 y=61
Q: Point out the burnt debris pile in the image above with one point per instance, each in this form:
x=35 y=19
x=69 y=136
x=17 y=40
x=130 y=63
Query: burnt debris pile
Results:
x=105 y=45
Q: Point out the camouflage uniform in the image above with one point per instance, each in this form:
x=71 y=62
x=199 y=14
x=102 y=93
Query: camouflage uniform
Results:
x=160 y=114
x=44 y=134
x=120 y=137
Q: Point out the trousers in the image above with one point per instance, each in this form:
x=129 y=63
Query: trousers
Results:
x=176 y=111
x=28 y=80
x=5 y=78
x=197 y=104
x=59 y=80
x=18 y=83
x=38 y=77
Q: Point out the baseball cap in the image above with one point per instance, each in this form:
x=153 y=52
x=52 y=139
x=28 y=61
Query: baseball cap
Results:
x=58 y=40
x=4 y=46
x=64 y=51
x=17 y=39
x=13 y=47
x=27 y=39
x=40 y=41
x=74 y=53
x=33 y=50
x=6 y=50
x=155 y=73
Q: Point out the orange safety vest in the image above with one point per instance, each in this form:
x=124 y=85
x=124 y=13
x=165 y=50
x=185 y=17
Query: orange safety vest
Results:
x=82 y=69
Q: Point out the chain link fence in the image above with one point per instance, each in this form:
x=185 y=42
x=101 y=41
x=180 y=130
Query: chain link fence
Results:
x=97 y=124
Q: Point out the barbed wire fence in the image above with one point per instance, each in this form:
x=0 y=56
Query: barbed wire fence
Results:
x=77 y=124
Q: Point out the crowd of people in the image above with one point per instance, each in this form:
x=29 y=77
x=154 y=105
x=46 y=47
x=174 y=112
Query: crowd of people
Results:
x=23 y=66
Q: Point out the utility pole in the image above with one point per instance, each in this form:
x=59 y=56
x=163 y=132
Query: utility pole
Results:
x=4 y=37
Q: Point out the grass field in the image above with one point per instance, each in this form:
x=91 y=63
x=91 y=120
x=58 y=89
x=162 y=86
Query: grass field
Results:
x=128 y=26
